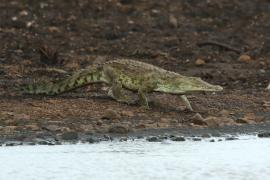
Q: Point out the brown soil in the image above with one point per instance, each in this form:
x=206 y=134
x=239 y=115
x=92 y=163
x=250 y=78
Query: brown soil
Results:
x=171 y=34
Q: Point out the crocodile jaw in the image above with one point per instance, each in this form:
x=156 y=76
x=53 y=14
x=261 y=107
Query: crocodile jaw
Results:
x=183 y=85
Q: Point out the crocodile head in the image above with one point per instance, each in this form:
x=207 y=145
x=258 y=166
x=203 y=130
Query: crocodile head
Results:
x=183 y=84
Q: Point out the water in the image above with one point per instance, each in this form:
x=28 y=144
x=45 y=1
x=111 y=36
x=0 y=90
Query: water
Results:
x=244 y=159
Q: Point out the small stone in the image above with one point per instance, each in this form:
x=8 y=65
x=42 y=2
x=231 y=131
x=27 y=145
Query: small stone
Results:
x=153 y=139
x=140 y=126
x=123 y=139
x=212 y=140
x=13 y=143
x=107 y=138
x=52 y=128
x=264 y=135
x=70 y=136
x=119 y=129
x=196 y=139
x=23 y=13
x=212 y=121
x=231 y=138
x=173 y=21
x=242 y=121
x=199 y=62
x=245 y=58
x=54 y=29
x=197 y=119
x=127 y=113
x=206 y=136
x=224 y=113
x=268 y=87
x=178 y=138
x=92 y=140
x=32 y=127
x=111 y=114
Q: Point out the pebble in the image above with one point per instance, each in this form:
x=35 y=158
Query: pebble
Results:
x=245 y=58
x=153 y=139
x=107 y=138
x=197 y=119
x=264 y=135
x=196 y=139
x=92 y=140
x=119 y=129
x=178 y=138
x=230 y=138
x=205 y=135
x=70 y=136
x=173 y=21
x=212 y=140
x=199 y=62
x=13 y=143
x=123 y=139
x=111 y=114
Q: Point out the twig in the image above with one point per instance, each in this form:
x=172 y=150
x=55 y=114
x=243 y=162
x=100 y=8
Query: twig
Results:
x=52 y=70
x=268 y=87
x=223 y=45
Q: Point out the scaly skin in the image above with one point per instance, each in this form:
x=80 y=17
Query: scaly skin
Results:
x=127 y=74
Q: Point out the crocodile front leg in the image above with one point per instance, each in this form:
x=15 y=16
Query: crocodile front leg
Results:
x=186 y=102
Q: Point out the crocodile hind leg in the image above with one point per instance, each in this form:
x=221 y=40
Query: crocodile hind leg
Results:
x=117 y=93
x=143 y=99
x=186 y=102
x=148 y=85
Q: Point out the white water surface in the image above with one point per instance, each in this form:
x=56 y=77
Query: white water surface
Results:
x=244 y=159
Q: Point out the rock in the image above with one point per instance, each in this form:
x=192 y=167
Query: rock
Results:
x=196 y=139
x=199 y=62
x=92 y=140
x=111 y=114
x=212 y=140
x=245 y=58
x=139 y=137
x=264 y=135
x=216 y=134
x=242 y=121
x=212 y=121
x=54 y=29
x=52 y=128
x=231 y=138
x=45 y=142
x=205 y=135
x=140 y=126
x=224 y=113
x=13 y=143
x=33 y=127
x=247 y=119
x=197 y=119
x=127 y=113
x=119 y=129
x=123 y=139
x=268 y=87
x=107 y=138
x=173 y=21
x=153 y=139
x=22 y=117
x=70 y=136
x=178 y=138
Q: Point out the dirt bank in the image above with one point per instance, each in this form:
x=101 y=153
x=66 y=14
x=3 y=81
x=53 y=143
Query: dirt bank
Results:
x=223 y=42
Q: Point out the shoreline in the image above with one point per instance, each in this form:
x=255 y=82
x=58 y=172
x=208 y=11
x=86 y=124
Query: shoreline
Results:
x=261 y=130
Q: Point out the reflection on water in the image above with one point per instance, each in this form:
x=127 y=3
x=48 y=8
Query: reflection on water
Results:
x=244 y=159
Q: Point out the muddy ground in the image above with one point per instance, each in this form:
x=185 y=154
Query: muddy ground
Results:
x=225 y=42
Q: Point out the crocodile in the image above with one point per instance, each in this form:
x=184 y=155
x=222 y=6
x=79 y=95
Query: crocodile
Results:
x=127 y=74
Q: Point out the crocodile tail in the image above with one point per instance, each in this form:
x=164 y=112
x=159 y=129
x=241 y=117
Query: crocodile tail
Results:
x=81 y=78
